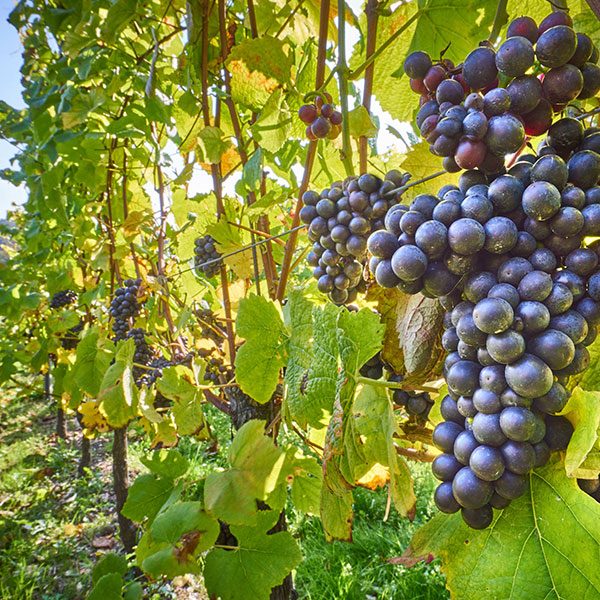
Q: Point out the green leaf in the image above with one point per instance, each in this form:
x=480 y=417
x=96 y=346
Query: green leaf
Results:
x=118 y=394
x=307 y=483
x=321 y=381
x=177 y=384
x=134 y=591
x=167 y=463
x=583 y=411
x=336 y=515
x=118 y=17
x=146 y=497
x=259 y=361
x=377 y=426
x=91 y=363
x=274 y=124
x=177 y=537
x=259 y=563
x=360 y=123
x=391 y=306
x=109 y=563
x=542 y=546
x=212 y=142
x=420 y=163
x=257 y=467
x=108 y=587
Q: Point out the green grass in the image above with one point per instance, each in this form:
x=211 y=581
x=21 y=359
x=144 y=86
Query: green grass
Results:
x=49 y=518
x=359 y=571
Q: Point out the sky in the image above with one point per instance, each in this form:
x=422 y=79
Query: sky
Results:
x=10 y=51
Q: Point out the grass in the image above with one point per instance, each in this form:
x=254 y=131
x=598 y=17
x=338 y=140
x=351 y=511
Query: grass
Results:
x=52 y=522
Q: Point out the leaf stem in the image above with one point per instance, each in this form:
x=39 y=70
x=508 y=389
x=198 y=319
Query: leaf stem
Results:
x=342 y=72
x=358 y=71
x=500 y=18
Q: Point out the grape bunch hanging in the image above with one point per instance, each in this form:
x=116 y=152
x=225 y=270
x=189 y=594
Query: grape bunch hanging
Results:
x=472 y=121
x=205 y=251
x=511 y=261
x=124 y=306
x=321 y=118
x=70 y=340
x=416 y=404
x=63 y=298
x=339 y=221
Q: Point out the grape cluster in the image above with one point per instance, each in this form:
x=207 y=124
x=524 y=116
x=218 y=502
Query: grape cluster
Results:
x=205 y=251
x=510 y=261
x=590 y=487
x=63 y=298
x=154 y=371
x=472 y=122
x=143 y=353
x=340 y=220
x=124 y=306
x=71 y=338
x=321 y=118
x=216 y=370
x=416 y=404
x=210 y=328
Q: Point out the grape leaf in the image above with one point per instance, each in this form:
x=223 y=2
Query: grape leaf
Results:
x=109 y=563
x=360 y=123
x=377 y=425
x=259 y=360
x=91 y=364
x=544 y=545
x=306 y=486
x=146 y=497
x=177 y=537
x=108 y=587
x=420 y=163
x=391 y=306
x=258 y=67
x=257 y=467
x=583 y=411
x=168 y=463
x=336 y=515
x=259 y=563
x=420 y=334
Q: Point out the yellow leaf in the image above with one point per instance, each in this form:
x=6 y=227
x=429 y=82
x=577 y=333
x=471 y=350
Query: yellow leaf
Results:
x=377 y=476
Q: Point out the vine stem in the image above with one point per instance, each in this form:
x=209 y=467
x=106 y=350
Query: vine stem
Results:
x=380 y=383
x=413 y=183
x=372 y=18
x=309 y=161
x=358 y=71
x=414 y=454
x=342 y=72
x=500 y=18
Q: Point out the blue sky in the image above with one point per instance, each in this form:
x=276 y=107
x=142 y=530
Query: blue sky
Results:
x=10 y=51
